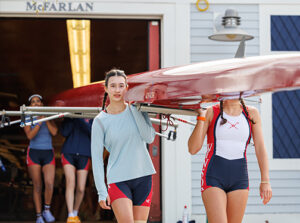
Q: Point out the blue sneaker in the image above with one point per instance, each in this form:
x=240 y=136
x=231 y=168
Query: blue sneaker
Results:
x=48 y=216
x=39 y=220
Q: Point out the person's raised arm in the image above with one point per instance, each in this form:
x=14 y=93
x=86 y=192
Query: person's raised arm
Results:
x=97 y=144
x=31 y=132
x=261 y=154
x=198 y=135
x=144 y=124
x=52 y=127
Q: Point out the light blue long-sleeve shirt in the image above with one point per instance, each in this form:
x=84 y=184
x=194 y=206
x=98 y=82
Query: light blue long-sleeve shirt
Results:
x=124 y=135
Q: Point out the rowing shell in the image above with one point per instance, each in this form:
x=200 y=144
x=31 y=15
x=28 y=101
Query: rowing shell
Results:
x=186 y=87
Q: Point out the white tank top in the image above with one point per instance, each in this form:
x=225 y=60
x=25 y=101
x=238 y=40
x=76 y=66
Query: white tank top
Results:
x=232 y=137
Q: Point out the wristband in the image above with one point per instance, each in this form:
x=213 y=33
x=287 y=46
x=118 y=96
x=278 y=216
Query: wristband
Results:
x=265 y=182
x=200 y=118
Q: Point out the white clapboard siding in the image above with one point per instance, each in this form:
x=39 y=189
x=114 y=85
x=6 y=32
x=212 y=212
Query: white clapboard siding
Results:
x=203 y=49
x=285 y=184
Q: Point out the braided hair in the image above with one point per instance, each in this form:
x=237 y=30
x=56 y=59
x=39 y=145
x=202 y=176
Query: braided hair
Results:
x=246 y=111
x=104 y=100
x=113 y=72
x=224 y=120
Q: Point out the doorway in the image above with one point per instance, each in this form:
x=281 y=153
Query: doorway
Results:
x=34 y=58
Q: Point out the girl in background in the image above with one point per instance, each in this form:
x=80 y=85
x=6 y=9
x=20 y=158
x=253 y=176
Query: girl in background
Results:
x=75 y=158
x=41 y=159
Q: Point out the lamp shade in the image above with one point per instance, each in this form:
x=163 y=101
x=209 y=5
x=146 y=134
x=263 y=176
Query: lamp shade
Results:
x=230 y=31
x=230 y=34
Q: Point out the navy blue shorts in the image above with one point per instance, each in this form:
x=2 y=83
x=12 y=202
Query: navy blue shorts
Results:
x=40 y=157
x=228 y=175
x=138 y=190
x=80 y=162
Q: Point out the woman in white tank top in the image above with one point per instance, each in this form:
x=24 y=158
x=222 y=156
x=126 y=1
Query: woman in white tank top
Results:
x=229 y=127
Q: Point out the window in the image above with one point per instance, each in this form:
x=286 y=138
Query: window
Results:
x=280 y=33
x=285 y=36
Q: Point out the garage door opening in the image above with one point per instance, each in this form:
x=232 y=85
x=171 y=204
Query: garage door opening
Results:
x=34 y=58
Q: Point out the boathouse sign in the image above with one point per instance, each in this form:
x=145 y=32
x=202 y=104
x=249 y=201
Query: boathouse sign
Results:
x=59 y=6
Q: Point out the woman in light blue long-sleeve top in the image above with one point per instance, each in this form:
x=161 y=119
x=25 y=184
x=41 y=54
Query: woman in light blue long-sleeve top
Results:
x=124 y=132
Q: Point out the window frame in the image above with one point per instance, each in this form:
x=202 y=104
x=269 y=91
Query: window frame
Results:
x=266 y=11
